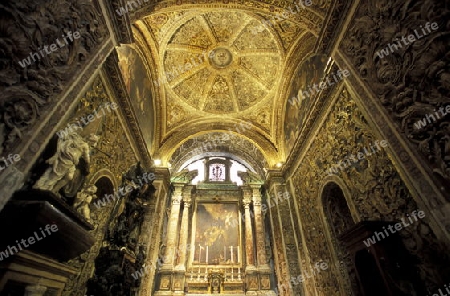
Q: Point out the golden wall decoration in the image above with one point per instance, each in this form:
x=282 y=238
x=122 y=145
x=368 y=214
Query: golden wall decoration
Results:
x=111 y=158
x=410 y=81
x=376 y=192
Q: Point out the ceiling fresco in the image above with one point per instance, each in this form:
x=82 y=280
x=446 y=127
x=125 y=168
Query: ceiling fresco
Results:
x=215 y=65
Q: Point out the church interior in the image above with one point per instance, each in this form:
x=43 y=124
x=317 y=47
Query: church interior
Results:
x=230 y=147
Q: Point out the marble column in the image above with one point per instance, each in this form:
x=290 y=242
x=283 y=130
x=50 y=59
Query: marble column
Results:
x=248 y=231
x=259 y=229
x=172 y=228
x=184 y=230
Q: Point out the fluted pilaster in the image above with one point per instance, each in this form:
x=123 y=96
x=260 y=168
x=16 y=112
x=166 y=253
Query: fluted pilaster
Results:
x=172 y=228
x=184 y=230
x=259 y=227
x=248 y=231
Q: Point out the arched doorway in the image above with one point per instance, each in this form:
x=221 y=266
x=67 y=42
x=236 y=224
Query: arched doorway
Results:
x=372 y=282
x=339 y=220
x=382 y=267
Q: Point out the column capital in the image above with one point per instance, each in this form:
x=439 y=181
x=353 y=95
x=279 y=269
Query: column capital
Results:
x=176 y=199
x=177 y=189
x=257 y=199
x=188 y=190
x=247 y=192
x=246 y=201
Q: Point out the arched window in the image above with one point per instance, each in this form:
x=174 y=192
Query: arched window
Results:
x=217 y=172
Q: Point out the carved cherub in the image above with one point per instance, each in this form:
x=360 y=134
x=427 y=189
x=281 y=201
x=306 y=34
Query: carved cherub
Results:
x=83 y=200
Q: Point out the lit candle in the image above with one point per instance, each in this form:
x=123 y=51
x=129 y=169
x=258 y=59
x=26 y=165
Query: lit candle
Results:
x=231 y=249
x=224 y=253
x=206 y=254
x=238 y=253
x=200 y=253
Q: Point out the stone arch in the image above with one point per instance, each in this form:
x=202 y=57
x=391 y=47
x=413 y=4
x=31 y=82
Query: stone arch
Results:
x=337 y=219
x=105 y=173
x=106 y=184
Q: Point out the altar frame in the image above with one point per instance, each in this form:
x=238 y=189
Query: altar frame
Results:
x=236 y=222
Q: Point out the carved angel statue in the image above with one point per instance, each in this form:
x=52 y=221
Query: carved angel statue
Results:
x=71 y=148
x=83 y=200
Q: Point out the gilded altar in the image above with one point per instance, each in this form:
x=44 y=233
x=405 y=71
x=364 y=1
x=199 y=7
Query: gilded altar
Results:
x=215 y=242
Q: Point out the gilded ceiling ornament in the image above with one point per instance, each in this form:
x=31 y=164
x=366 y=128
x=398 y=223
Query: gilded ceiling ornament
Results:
x=233 y=78
x=221 y=57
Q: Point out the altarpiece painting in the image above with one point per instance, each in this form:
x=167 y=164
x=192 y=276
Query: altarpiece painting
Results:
x=217 y=234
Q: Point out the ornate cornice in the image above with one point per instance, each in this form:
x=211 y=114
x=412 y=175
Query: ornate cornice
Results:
x=269 y=151
x=332 y=27
x=121 y=23
x=312 y=14
x=117 y=85
x=322 y=100
x=162 y=174
x=274 y=177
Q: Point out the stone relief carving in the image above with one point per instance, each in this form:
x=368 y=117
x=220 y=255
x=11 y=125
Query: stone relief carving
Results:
x=411 y=81
x=26 y=28
x=121 y=252
x=376 y=190
x=313 y=14
x=113 y=154
x=212 y=142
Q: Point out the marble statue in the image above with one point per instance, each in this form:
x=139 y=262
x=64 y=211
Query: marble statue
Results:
x=71 y=148
x=82 y=201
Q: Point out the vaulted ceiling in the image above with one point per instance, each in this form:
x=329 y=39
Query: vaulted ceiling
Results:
x=224 y=67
